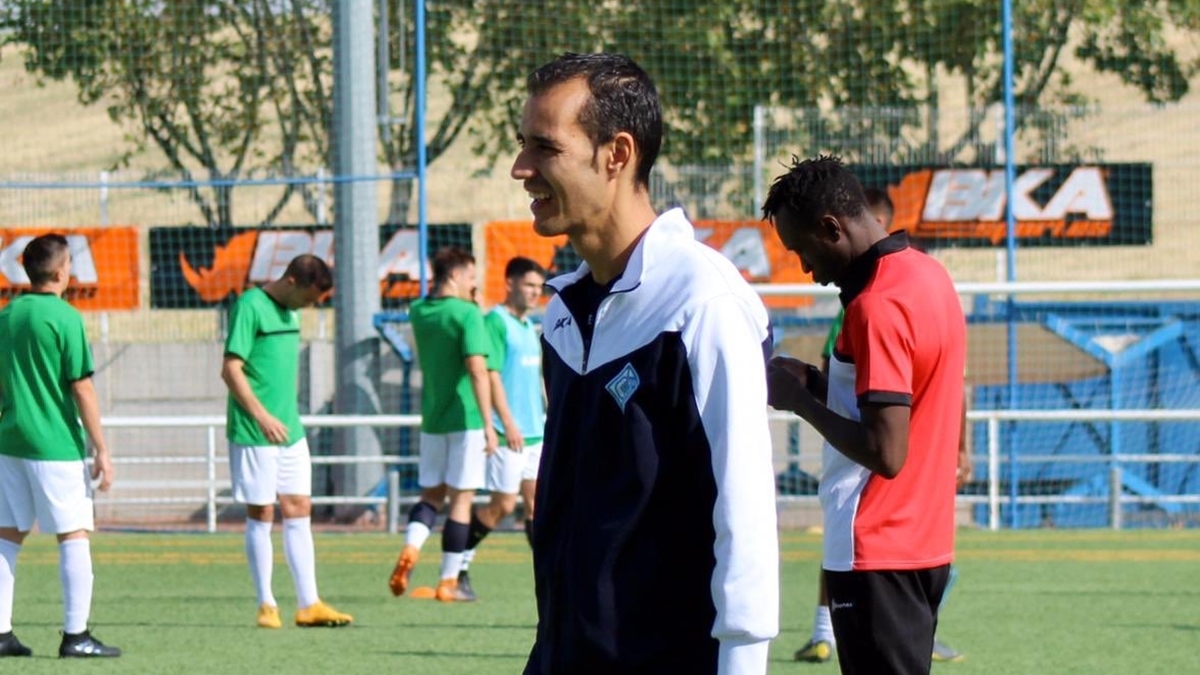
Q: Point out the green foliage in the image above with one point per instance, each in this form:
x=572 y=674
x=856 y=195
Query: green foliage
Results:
x=204 y=82
x=241 y=88
x=867 y=78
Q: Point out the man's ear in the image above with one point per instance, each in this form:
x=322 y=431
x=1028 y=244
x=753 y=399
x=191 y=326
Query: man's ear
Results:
x=831 y=227
x=61 y=274
x=622 y=152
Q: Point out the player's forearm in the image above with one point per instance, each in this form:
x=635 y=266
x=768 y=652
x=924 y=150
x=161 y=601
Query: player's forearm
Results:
x=849 y=437
x=84 y=393
x=483 y=394
x=964 y=442
x=500 y=399
x=846 y=435
x=243 y=394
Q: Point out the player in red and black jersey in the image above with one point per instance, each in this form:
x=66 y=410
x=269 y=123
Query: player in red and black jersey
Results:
x=891 y=417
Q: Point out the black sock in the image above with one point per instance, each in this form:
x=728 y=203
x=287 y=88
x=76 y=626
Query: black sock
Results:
x=454 y=537
x=423 y=512
x=476 y=531
x=529 y=531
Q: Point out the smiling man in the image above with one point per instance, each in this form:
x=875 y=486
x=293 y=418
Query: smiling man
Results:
x=655 y=549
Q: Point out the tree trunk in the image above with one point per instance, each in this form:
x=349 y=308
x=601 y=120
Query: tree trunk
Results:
x=933 y=106
x=400 y=200
x=224 y=205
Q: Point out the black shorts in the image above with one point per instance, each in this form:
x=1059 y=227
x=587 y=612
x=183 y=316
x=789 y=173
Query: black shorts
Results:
x=884 y=621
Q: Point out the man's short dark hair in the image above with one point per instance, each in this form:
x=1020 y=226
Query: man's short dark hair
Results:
x=449 y=259
x=879 y=197
x=813 y=188
x=520 y=266
x=43 y=256
x=309 y=271
x=624 y=98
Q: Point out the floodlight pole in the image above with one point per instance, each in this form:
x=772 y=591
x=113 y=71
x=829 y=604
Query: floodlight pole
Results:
x=420 y=91
x=356 y=236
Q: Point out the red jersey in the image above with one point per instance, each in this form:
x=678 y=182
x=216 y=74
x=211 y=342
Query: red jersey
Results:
x=903 y=343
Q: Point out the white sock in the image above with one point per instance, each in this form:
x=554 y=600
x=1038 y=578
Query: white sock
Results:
x=823 y=625
x=298 y=547
x=468 y=556
x=75 y=573
x=8 y=579
x=416 y=534
x=451 y=564
x=261 y=556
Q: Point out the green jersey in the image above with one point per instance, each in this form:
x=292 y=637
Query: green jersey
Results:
x=266 y=336
x=43 y=349
x=834 y=331
x=447 y=330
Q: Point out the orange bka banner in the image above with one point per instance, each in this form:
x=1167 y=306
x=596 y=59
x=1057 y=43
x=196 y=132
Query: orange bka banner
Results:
x=1054 y=205
x=197 y=267
x=751 y=245
x=104 y=265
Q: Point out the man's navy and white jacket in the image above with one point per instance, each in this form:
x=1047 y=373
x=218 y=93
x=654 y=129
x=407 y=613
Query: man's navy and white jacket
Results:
x=655 y=543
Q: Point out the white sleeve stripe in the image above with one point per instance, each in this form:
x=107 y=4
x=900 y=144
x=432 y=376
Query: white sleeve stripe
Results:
x=723 y=341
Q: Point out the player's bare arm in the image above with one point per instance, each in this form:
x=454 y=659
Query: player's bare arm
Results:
x=232 y=372
x=512 y=432
x=478 y=372
x=879 y=442
x=84 y=393
x=965 y=466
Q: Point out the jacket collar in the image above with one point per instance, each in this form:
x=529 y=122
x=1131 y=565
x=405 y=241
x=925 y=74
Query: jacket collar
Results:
x=668 y=227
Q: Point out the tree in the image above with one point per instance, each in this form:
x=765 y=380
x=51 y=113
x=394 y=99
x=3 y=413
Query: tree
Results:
x=866 y=77
x=715 y=61
x=962 y=37
x=238 y=89
x=203 y=82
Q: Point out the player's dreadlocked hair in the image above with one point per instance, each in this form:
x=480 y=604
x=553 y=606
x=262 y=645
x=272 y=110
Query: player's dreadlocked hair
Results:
x=812 y=188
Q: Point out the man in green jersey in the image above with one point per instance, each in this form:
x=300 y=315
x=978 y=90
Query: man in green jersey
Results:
x=268 y=452
x=515 y=371
x=452 y=350
x=45 y=390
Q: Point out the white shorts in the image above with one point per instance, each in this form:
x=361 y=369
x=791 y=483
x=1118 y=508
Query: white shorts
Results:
x=456 y=459
x=262 y=472
x=58 y=495
x=506 y=470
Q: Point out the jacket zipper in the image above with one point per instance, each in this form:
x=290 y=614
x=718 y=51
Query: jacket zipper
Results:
x=587 y=346
x=591 y=324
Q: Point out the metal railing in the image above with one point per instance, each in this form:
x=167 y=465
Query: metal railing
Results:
x=994 y=457
x=211 y=458
x=1116 y=498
